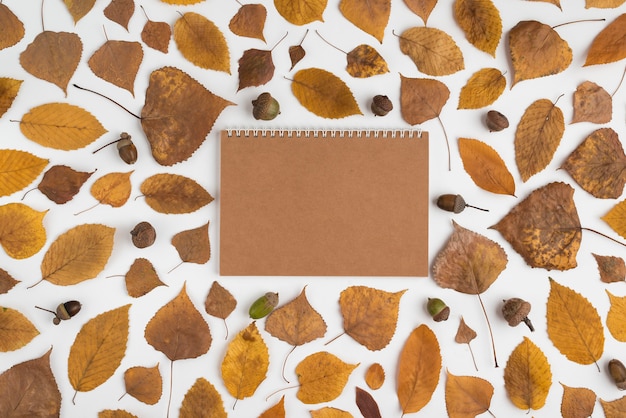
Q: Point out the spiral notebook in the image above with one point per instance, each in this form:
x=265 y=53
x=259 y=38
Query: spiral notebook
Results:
x=323 y=203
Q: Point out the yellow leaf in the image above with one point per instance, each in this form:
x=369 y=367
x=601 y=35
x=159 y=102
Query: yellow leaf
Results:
x=276 y=411
x=609 y=46
x=481 y=22
x=202 y=400
x=79 y=8
x=574 y=326
x=201 y=42
x=486 y=167
x=246 y=362
x=467 y=396
x=322 y=377
x=15 y=330
x=615 y=408
x=324 y=94
x=482 y=89
x=11 y=28
x=329 y=412
x=616 y=218
x=112 y=189
x=433 y=51
x=173 y=193
x=369 y=16
x=78 y=255
x=22 y=233
x=144 y=384
x=527 y=376
x=301 y=12
x=8 y=92
x=61 y=126
x=117 y=413
x=418 y=369
x=603 y=4
x=422 y=8
x=98 y=349
x=616 y=318
x=577 y=402
x=18 y=169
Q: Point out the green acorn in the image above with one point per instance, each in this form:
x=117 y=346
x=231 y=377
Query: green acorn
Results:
x=438 y=309
x=263 y=305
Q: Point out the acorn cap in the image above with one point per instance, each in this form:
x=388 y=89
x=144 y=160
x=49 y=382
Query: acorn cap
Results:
x=516 y=310
x=381 y=105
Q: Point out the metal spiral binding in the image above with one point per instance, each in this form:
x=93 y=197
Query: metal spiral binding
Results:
x=325 y=133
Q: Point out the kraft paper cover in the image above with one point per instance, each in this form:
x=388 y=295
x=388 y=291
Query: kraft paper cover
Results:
x=324 y=203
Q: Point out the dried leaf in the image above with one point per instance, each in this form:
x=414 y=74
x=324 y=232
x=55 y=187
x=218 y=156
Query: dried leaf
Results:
x=246 y=363
x=144 y=384
x=141 y=278
x=256 y=68
x=301 y=12
x=375 y=326
x=98 y=349
x=219 y=303
x=481 y=22
x=157 y=35
x=537 y=50
x=276 y=411
x=616 y=218
x=422 y=8
x=120 y=11
x=609 y=46
x=616 y=317
x=322 y=377
x=78 y=254
x=61 y=126
x=174 y=193
x=482 y=89
x=544 y=228
x=367 y=404
x=422 y=99
x=15 y=330
x=201 y=42
x=464 y=334
x=178 y=330
x=18 y=169
x=433 y=51
x=615 y=408
x=537 y=137
x=527 y=376
x=115 y=413
x=467 y=396
x=612 y=269
x=112 y=189
x=592 y=104
x=329 y=412
x=577 y=402
x=193 y=245
x=324 y=94
x=53 y=57
x=11 y=28
x=29 y=389
x=485 y=166
x=598 y=164
x=375 y=376
x=418 y=369
x=8 y=92
x=369 y=16
x=296 y=53
x=364 y=61
x=202 y=400
x=604 y=4
x=22 y=233
x=178 y=114
x=7 y=282
x=249 y=21
x=79 y=8
x=574 y=326
x=61 y=183
x=118 y=63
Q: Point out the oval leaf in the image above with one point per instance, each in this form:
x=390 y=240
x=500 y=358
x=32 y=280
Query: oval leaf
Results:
x=329 y=412
x=141 y=278
x=9 y=88
x=202 y=400
x=173 y=193
x=201 y=42
x=322 y=377
x=609 y=46
x=11 y=28
x=467 y=396
x=367 y=404
x=482 y=89
x=481 y=22
x=433 y=51
x=18 y=169
x=118 y=63
x=144 y=384
x=616 y=318
x=112 y=189
x=15 y=330
x=527 y=376
x=486 y=167
x=22 y=233
x=375 y=376
x=577 y=402
x=324 y=94
x=369 y=16
x=421 y=99
x=301 y=12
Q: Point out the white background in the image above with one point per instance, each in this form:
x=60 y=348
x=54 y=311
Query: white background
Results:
x=105 y=293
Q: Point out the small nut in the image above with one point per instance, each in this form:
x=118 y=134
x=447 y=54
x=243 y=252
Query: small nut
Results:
x=496 y=121
x=515 y=311
x=438 y=309
x=143 y=235
x=618 y=373
x=265 y=107
x=381 y=105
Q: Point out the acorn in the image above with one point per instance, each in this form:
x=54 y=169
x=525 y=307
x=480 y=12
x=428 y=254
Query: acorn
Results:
x=438 y=309
x=454 y=203
x=64 y=311
x=618 y=373
x=496 y=121
x=143 y=235
x=381 y=105
x=265 y=107
x=126 y=149
x=263 y=306
x=515 y=310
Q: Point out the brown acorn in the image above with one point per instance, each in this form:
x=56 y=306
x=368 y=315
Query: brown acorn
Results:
x=438 y=309
x=126 y=149
x=64 y=311
x=454 y=203
x=496 y=121
x=618 y=373
x=143 y=235
x=265 y=107
x=515 y=310
x=381 y=105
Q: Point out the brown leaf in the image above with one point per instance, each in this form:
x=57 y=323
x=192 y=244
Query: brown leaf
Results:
x=612 y=269
x=485 y=166
x=6 y=281
x=537 y=51
x=157 y=35
x=598 y=164
x=276 y=411
x=592 y=104
x=29 y=389
x=422 y=8
x=467 y=396
x=144 y=384
x=11 y=28
x=324 y=94
x=375 y=376
x=418 y=369
x=174 y=193
x=15 y=330
x=422 y=99
x=464 y=335
x=249 y=21
x=22 y=233
x=8 y=92
x=296 y=53
x=616 y=218
x=433 y=51
x=193 y=245
x=78 y=254
x=616 y=317
x=112 y=189
x=202 y=400
x=18 y=169
x=61 y=183
x=120 y=11
x=98 y=349
x=609 y=46
x=604 y=4
x=256 y=68
x=369 y=16
x=178 y=330
x=527 y=376
x=364 y=61
x=301 y=12
x=375 y=326
x=220 y=303
x=115 y=413
x=201 y=42
x=322 y=377
x=141 y=278
x=544 y=228
x=79 y=8
x=178 y=114
x=367 y=404
x=615 y=408
x=482 y=89
x=53 y=57
x=481 y=22
x=537 y=137
x=577 y=402
x=118 y=63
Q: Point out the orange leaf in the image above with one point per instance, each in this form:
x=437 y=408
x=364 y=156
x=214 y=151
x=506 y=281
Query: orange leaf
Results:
x=481 y=22
x=144 y=384
x=15 y=330
x=11 y=28
x=117 y=62
x=616 y=218
x=375 y=376
x=79 y=8
x=609 y=46
x=276 y=411
x=301 y=12
x=7 y=282
x=173 y=193
x=141 y=278
x=193 y=245
x=592 y=104
x=18 y=169
x=22 y=233
x=202 y=400
x=219 y=302
x=616 y=318
x=60 y=183
x=482 y=89
x=115 y=413
x=8 y=92
x=256 y=68
x=604 y=4
x=612 y=269
x=329 y=412
x=422 y=99
x=182 y=2
x=120 y=11
x=322 y=377
x=418 y=369
x=422 y=8
x=369 y=16
x=557 y=3
x=527 y=376
x=324 y=94
x=112 y=189
x=467 y=396
x=615 y=408
x=249 y=21
x=433 y=51
x=364 y=61
x=486 y=167
x=577 y=402
x=201 y=42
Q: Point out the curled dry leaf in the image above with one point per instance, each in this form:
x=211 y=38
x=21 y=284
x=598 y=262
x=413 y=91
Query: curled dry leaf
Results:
x=22 y=233
x=322 y=377
x=467 y=396
x=577 y=402
x=79 y=8
x=202 y=400
x=324 y=94
x=482 y=89
x=11 y=28
x=276 y=411
x=112 y=189
x=256 y=67
x=249 y=21
x=15 y=330
x=18 y=169
x=485 y=166
x=481 y=22
x=201 y=42
x=367 y=404
x=141 y=278
x=616 y=318
x=433 y=51
x=592 y=104
x=422 y=8
x=115 y=413
x=61 y=183
x=157 y=35
x=369 y=16
x=375 y=376
x=301 y=12
x=9 y=88
x=144 y=384
x=616 y=218
x=609 y=46
x=220 y=303
x=118 y=63
x=612 y=269
x=7 y=282
x=193 y=245
x=120 y=11
x=174 y=193
x=330 y=412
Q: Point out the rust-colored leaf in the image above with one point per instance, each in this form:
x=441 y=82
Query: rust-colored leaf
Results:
x=598 y=164
x=482 y=89
x=15 y=330
x=193 y=245
x=418 y=369
x=29 y=389
x=11 y=28
x=364 y=61
x=464 y=335
x=615 y=408
x=609 y=46
x=78 y=254
x=485 y=166
x=22 y=233
x=178 y=330
x=120 y=11
x=375 y=376
x=367 y=404
x=324 y=94
x=603 y=4
x=369 y=16
x=141 y=278
x=178 y=114
x=98 y=349
x=174 y=193
x=8 y=92
x=421 y=99
x=467 y=396
x=301 y=12
x=330 y=412
x=537 y=50
x=18 y=169
x=249 y=21
x=612 y=269
x=616 y=218
x=201 y=42
x=433 y=51
x=616 y=318
x=527 y=376
x=7 y=282
x=61 y=183
x=592 y=104
x=481 y=22
x=375 y=326
x=202 y=400
x=422 y=8
x=296 y=53
x=256 y=68
x=537 y=137
x=112 y=189
x=157 y=35
x=577 y=402
x=276 y=411
x=574 y=326
x=220 y=303
x=115 y=413
x=118 y=63
x=544 y=228
x=79 y=8
x=322 y=377
x=53 y=57
x=144 y=384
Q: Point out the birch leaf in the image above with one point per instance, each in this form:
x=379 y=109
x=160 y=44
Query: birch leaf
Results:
x=9 y=88
x=324 y=94
x=18 y=169
x=201 y=42
x=422 y=99
x=422 y=8
x=433 y=51
x=482 y=89
x=193 y=245
x=120 y=11
x=144 y=384
x=485 y=166
x=375 y=376
x=592 y=104
x=369 y=16
x=322 y=377
x=577 y=402
x=61 y=183
x=141 y=278
x=220 y=303
x=11 y=28
x=202 y=400
x=481 y=22
x=467 y=396
x=301 y=12
x=112 y=189
x=276 y=411
x=115 y=413
x=157 y=35
x=616 y=218
x=256 y=68
x=527 y=376
x=249 y=21
x=615 y=408
x=174 y=193
x=612 y=269
x=22 y=233
x=7 y=282
x=616 y=317
x=118 y=63
x=609 y=46
x=79 y=8
x=329 y=412
x=15 y=330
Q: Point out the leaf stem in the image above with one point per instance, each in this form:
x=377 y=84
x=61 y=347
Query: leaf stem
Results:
x=595 y=232
x=493 y=343
x=280 y=390
x=175 y=267
x=144 y=12
x=305 y=34
x=281 y=39
x=33 y=285
x=579 y=21
x=120 y=398
x=169 y=401
x=225 y=326
x=337 y=48
x=85 y=210
x=285 y=363
x=108 y=98
x=445 y=134
x=473 y=358
x=620 y=82
x=333 y=339
x=43 y=28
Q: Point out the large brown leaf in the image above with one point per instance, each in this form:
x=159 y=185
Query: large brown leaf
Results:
x=610 y=44
x=22 y=233
x=322 y=377
x=15 y=330
x=193 y=245
x=371 y=16
x=118 y=63
x=324 y=94
x=422 y=8
x=201 y=42
x=144 y=384
x=482 y=89
x=18 y=169
x=467 y=396
x=486 y=167
x=202 y=400
x=544 y=228
x=174 y=193
x=433 y=51
x=120 y=11
x=141 y=278
x=11 y=28
x=60 y=183
x=422 y=99
x=79 y=8
x=592 y=104
x=256 y=67
x=249 y=21
x=577 y=402
x=301 y=12
x=481 y=22
x=178 y=114
x=9 y=88
x=598 y=164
